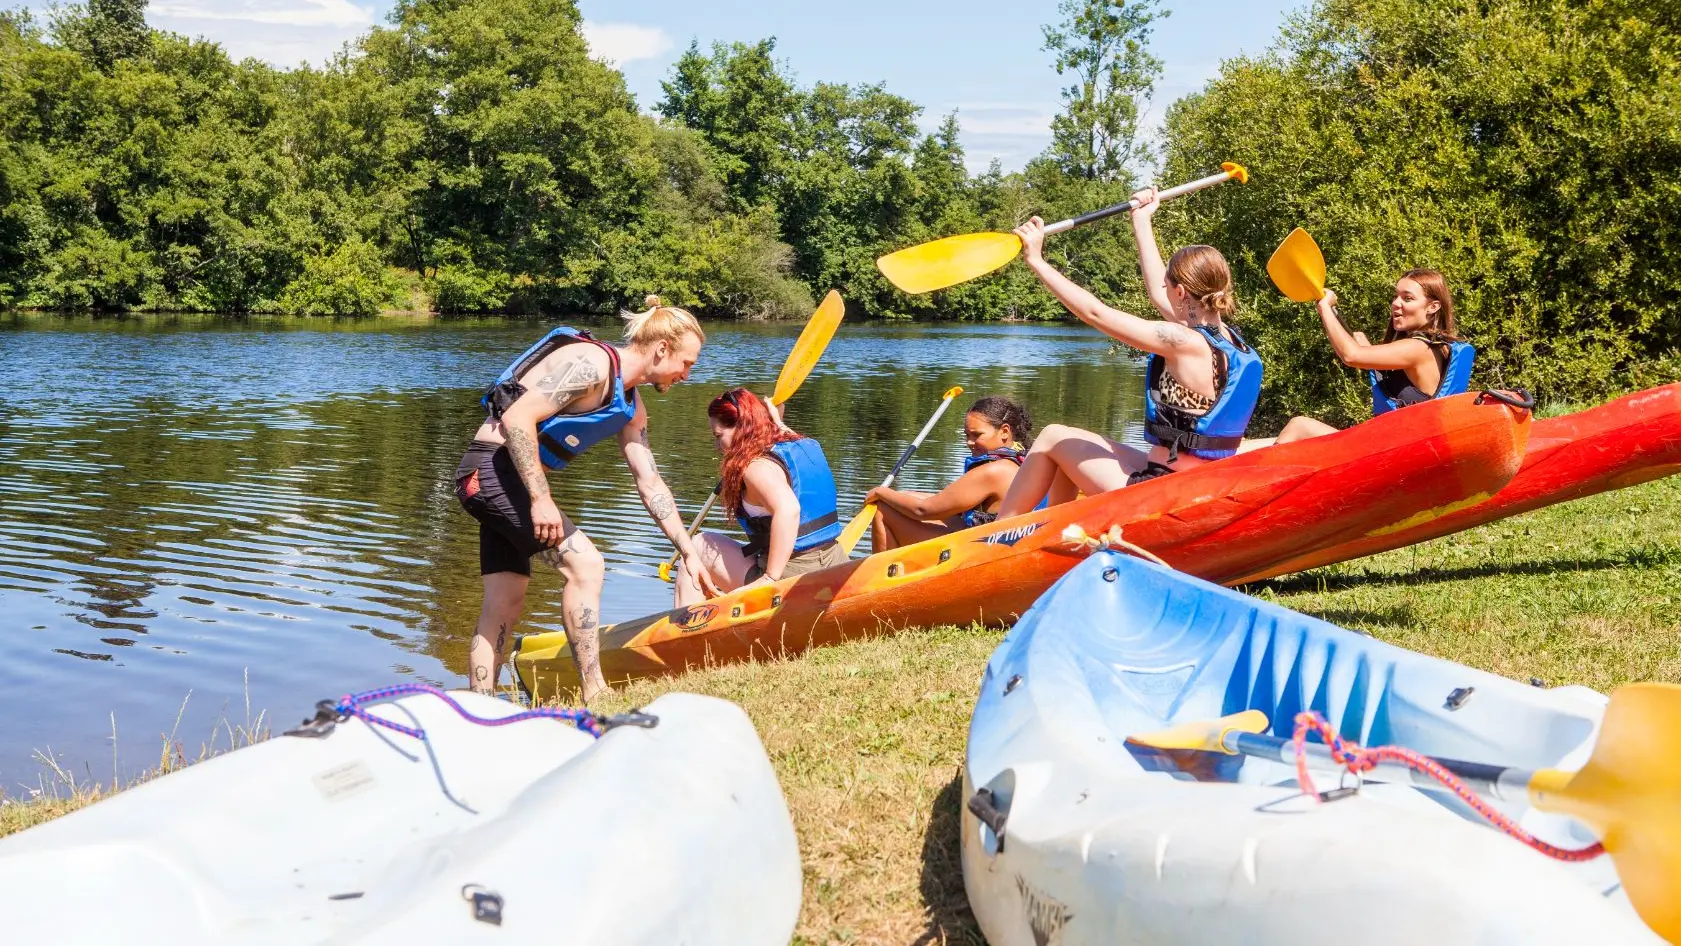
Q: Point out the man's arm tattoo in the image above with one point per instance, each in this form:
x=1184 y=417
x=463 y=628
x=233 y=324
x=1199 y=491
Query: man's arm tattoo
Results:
x=563 y=385
x=661 y=506
x=522 y=449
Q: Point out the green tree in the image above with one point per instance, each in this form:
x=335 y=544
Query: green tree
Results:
x=106 y=32
x=1102 y=46
x=743 y=106
x=1526 y=148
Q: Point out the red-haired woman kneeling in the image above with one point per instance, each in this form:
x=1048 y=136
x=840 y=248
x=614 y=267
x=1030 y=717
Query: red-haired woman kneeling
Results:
x=778 y=485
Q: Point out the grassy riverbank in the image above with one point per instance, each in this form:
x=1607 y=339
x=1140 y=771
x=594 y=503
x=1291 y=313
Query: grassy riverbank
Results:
x=868 y=738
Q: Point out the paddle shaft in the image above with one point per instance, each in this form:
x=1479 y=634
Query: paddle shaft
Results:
x=1503 y=783
x=1129 y=206
x=905 y=457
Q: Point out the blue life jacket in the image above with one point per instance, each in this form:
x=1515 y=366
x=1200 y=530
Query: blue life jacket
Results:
x=814 y=485
x=979 y=517
x=1217 y=433
x=561 y=438
x=1456 y=379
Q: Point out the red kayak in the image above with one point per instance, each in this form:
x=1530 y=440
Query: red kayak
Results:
x=1631 y=440
x=1218 y=521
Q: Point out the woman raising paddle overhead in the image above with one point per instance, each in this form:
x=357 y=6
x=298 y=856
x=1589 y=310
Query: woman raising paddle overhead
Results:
x=995 y=429
x=1199 y=390
x=778 y=485
x=1422 y=356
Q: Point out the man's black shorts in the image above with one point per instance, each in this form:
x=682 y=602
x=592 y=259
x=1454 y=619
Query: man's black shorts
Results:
x=490 y=489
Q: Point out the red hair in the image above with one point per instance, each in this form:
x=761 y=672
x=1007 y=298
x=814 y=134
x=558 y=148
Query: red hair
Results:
x=755 y=433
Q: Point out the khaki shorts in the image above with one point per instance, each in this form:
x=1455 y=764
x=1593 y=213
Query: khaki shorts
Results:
x=811 y=560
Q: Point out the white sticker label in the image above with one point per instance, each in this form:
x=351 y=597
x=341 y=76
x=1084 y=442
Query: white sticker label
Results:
x=572 y=441
x=344 y=780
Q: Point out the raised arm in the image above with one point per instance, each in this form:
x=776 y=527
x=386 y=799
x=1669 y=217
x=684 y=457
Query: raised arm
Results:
x=656 y=496
x=963 y=494
x=1149 y=254
x=1354 y=351
x=1161 y=338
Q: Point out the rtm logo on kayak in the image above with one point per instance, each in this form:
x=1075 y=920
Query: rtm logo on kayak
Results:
x=1012 y=536
x=695 y=617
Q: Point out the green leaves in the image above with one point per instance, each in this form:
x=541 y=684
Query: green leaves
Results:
x=1517 y=145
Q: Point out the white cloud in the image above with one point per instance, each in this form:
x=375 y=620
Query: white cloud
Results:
x=621 y=43
x=304 y=13
x=1012 y=132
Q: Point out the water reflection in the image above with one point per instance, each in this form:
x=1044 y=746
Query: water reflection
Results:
x=252 y=515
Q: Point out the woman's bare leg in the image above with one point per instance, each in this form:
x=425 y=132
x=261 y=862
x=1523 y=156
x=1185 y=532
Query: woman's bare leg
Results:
x=1303 y=428
x=901 y=529
x=1090 y=462
x=723 y=559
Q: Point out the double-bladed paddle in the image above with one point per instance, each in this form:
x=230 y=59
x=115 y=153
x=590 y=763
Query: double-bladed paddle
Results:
x=861 y=522
x=1629 y=791
x=943 y=263
x=807 y=349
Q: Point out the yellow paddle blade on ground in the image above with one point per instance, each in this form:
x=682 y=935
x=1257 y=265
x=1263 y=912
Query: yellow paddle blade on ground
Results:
x=809 y=346
x=943 y=263
x=1204 y=735
x=1630 y=792
x=1297 y=267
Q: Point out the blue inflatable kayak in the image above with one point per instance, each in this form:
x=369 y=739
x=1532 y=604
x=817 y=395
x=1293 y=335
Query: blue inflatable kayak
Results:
x=1073 y=836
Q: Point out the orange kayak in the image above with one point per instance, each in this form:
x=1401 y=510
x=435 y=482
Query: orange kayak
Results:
x=1219 y=521
x=1621 y=443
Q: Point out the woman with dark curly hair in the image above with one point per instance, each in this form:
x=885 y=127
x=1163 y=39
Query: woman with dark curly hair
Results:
x=778 y=485
x=996 y=428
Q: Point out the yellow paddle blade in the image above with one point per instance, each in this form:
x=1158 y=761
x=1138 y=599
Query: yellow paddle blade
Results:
x=856 y=528
x=809 y=347
x=1203 y=735
x=1238 y=172
x=1630 y=792
x=1297 y=267
x=930 y=266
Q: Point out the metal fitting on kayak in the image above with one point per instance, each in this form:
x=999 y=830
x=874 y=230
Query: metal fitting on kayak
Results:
x=326 y=717
x=635 y=718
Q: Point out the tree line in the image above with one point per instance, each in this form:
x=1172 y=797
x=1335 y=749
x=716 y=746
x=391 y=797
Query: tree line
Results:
x=470 y=156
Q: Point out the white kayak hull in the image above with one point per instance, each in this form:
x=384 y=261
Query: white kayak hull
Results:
x=672 y=834
x=1098 y=847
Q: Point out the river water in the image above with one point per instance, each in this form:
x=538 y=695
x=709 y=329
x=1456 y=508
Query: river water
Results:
x=208 y=524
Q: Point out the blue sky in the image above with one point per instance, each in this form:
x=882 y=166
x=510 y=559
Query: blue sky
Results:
x=980 y=57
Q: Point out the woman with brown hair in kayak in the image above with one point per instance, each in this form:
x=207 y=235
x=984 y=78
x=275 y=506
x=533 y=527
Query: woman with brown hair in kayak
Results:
x=1200 y=387
x=995 y=429
x=778 y=485
x=1421 y=357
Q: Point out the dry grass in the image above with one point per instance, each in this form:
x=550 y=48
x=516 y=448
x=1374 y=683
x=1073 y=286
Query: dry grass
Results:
x=868 y=738
x=58 y=791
